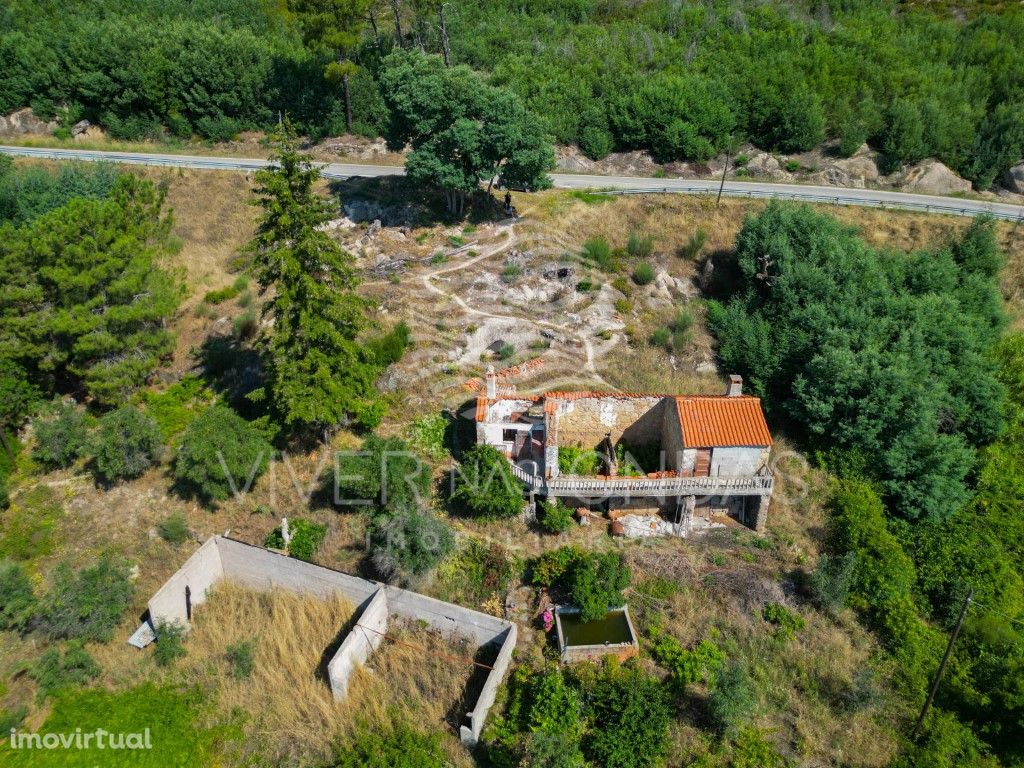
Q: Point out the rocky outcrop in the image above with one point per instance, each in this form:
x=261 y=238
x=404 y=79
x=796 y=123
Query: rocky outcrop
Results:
x=24 y=123
x=637 y=163
x=354 y=147
x=1015 y=179
x=933 y=178
x=761 y=165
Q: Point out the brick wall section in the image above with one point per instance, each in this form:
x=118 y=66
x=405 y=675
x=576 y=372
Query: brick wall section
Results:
x=364 y=639
x=260 y=569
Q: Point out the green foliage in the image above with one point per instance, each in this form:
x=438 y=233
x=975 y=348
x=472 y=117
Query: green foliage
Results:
x=54 y=671
x=462 y=131
x=27 y=529
x=732 y=700
x=89 y=304
x=788 y=622
x=86 y=605
x=554 y=516
x=597 y=251
x=174 y=408
x=17 y=599
x=173 y=529
x=643 y=273
x=306 y=538
x=477 y=571
x=640 y=246
x=485 y=485
x=881 y=354
x=695 y=244
x=401 y=746
x=576 y=460
x=832 y=579
x=687 y=666
x=61 y=435
x=240 y=656
x=170 y=644
x=594 y=580
x=747 y=749
x=27 y=193
x=384 y=470
x=220 y=453
x=127 y=445
x=428 y=435
x=318 y=374
x=407 y=543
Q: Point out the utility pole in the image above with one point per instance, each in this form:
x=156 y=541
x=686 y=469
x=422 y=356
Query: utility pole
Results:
x=725 y=169
x=942 y=664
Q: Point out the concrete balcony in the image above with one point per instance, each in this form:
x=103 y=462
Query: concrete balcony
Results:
x=633 y=487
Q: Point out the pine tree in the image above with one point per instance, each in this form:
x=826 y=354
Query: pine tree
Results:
x=319 y=374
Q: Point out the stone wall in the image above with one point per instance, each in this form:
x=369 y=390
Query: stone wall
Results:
x=364 y=639
x=260 y=569
x=672 y=437
x=586 y=420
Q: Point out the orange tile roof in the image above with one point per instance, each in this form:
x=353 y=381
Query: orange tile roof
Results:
x=482 y=402
x=722 y=421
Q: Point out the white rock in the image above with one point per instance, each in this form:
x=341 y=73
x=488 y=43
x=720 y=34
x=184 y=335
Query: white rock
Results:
x=1015 y=178
x=932 y=177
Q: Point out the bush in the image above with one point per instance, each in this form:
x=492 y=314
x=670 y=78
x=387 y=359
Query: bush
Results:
x=401 y=747
x=687 y=666
x=88 y=604
x=631 y=714
x=643 y=273
x=53 y=672
x=640 y=246
x=384 y=470
x=220 y=453
x=485 y=484
x=661 y=337
x=173 y=529
x=17 y=600
x=732 y=700
x=552 y=566
x=691 y=250
x=429 y=435
x=240 y=657
x=177 y=406
x=305 y=538
x=27 y=528
x=555 y=517
x=169 y=645
x=575 y=460
x=596 y=582
x=477 y=571
x=61 y=434
x=599 y=252
x=788 y=622
x=128 y=443
x=406 y=542
x=831 y=581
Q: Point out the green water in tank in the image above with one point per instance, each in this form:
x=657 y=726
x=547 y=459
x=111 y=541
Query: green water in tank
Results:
x=610 y=628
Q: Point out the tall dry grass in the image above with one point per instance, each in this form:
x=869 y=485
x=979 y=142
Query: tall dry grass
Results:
x=291 y=715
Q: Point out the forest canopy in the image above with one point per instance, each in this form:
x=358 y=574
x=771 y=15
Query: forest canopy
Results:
x=684 y=80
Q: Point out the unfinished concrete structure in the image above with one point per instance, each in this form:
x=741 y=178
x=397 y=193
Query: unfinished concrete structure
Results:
x=221 y=558
x=703 y=459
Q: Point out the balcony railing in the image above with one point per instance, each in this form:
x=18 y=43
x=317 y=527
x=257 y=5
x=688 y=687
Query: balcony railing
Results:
x=574 y=485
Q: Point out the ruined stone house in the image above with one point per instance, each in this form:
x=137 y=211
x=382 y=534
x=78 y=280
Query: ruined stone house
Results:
x=694 y=461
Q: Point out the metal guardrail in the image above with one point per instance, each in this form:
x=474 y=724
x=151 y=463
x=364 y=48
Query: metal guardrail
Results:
x=815 y=197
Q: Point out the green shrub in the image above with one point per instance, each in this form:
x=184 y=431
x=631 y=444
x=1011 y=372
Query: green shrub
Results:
x=792 y=166
x=53 y=672
x=428 y=435
x=643 y=273
x=640 y=246
x=127 y=445
x=221 y=295
x=631 y=713
x=220 y=453
x=27 y=529
x=401 y=746
x=17 y=599
x=693 y=246
x=240 y=656
x=61 y=435
x=169 y=646
x=12 y=718
x=597 y=251
x=831 y=581
x=88 y=604
x=173 y=529
x=788 y=622
x=477 y=571
x=554 y=516
x=306 y=538
x=661 y=337
x=485 y=484
x=384 y=470
x=576 y=460
x=406 y=542
x=596 y=582
x=511 y=273
x=245 y=325
x=687 y=666
x=732 y=700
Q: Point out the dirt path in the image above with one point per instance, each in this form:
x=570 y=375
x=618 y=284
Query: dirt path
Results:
x=510 y=240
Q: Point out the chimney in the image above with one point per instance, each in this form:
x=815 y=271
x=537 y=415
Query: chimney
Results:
x=735 y=385
x=492 y=383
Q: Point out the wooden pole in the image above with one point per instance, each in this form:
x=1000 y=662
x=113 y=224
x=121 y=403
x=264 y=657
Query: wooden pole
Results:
x=725 y=169
x=942 y=664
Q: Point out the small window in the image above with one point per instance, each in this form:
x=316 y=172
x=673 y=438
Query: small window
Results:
x=509 y=435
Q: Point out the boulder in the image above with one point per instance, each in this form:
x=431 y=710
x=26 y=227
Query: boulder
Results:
x=932 y=177
x=24 y=123
x=861 y=168
x=1015 y=178
x=80 y=127
x=765 y=166
x=571 y=160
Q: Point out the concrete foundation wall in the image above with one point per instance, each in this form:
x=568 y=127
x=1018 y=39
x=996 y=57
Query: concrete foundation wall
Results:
x=199 y=573
x=260 y=569
x=733 y=462
x=484 y=702
x=363 y=640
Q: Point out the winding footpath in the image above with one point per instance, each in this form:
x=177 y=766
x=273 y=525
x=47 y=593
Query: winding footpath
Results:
x=875 y=198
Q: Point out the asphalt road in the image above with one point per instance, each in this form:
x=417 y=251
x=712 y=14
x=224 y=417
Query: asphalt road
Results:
x=614 y=184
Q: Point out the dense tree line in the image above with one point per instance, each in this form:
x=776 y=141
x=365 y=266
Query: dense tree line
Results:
x=683 y=80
